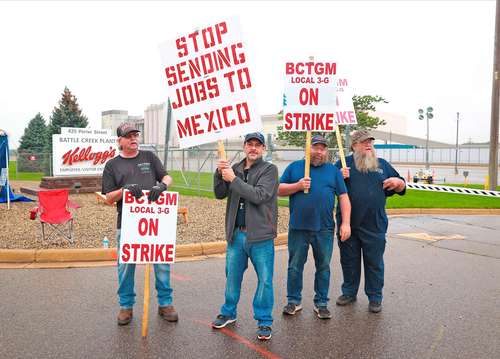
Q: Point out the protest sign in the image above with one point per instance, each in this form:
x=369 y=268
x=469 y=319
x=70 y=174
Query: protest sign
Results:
x=148 y=231
x=210 y=84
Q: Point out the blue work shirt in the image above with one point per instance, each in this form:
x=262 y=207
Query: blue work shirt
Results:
x=314 y=211
x=367 y=196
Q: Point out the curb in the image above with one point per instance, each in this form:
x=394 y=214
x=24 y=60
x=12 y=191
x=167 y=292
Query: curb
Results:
x=188 y=250
x=109 y=254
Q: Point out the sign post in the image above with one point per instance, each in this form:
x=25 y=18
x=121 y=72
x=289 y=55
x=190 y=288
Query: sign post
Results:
x=145 y=313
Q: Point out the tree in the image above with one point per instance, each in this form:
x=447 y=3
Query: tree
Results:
x=68 y=114
x=35 y=136
x=362 y=106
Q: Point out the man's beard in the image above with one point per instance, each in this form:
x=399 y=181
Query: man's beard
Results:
x=366 y=161
x=318 y=161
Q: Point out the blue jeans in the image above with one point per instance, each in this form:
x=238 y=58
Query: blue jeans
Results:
x=372 y=246
x=126 y=273
x=261 y=255
x=298 y=246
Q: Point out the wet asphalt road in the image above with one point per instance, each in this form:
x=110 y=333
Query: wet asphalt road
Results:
x=442 y=300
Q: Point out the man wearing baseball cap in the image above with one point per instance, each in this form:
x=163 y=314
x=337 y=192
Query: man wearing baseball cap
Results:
x=311 y=224
x=370 y=180
x=251 y=187
x=136 y=170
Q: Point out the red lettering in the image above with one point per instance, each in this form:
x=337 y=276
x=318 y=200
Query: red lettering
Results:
x=135 y=248
x=159 y=253
x=86 y=154
x=144 y=253
x=128 y=197
x=169 y=253
x=125 y=253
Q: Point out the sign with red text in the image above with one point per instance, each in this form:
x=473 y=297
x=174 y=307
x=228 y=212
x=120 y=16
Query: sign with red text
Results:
x=82 y=151
x=344 y=114
x=149 y=229
x=309 y=101
x=210 y=84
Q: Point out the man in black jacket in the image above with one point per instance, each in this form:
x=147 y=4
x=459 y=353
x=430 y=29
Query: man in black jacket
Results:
x=251 y=188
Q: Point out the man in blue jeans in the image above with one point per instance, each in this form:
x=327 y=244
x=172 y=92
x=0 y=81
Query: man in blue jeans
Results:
x=135 y=171
x=369 y=181
x=311 y=224
x=251 y=188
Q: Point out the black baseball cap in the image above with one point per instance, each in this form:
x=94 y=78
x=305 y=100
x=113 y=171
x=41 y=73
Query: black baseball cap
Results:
x=255 y=135
x=125 y=128
x=318 y=139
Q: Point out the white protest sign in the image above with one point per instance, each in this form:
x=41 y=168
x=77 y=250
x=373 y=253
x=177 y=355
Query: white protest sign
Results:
x=345 y=114
x=82 y=153
x=309 y=102
x=149 y=229
x=210 y=84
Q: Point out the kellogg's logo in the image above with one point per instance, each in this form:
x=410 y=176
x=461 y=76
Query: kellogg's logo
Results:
x=86 y=154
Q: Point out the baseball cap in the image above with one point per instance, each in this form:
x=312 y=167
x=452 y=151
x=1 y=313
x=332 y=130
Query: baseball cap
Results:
x=360 y=136
x=318 y=139
x=255 y=135
x=125 y=128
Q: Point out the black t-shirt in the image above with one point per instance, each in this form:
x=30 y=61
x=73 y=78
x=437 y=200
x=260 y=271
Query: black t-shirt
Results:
x=240 y=215
x=145 y=169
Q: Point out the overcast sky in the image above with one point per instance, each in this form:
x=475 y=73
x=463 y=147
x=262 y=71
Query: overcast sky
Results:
x=415 y=54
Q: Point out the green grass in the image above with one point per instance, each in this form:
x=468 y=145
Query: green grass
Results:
x=23 y=176
x=427 y=199
x=475 y=186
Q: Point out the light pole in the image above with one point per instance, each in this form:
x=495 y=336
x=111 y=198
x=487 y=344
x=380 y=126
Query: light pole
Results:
x=456 y=147
x=429 y=115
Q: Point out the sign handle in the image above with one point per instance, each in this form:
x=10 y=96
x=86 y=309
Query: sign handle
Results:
x=307 y=166
x=341 y=147
x=145 y=314
x=221 y=151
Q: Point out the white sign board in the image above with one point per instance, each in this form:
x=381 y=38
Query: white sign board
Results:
x=345 y=114
x=82 y=154
x=309 y=102
x=149 y=229
x=87 y=131
x=210 y=84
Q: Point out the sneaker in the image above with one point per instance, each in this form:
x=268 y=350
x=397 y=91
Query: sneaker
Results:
x=345 y=299
x=264 y=332
x=374 y=307
x=221 y=321
x=168 y=313
x=291 y=309
x=124 y=316
x=322 y=312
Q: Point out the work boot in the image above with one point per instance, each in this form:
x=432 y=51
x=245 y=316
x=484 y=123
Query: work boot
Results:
x=124 y=316
x=374 y=307
x=345 y=299
x=168 y=313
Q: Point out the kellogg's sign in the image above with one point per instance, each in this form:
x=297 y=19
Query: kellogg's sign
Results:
x=82 y=151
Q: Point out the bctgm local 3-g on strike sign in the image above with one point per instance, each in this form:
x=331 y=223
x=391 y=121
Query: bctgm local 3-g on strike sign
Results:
x=149 y=229
x=309 y=102
x=210 y=85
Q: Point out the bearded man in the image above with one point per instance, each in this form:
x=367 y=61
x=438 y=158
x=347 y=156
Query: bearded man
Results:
x=311 y=224
x=369 y=180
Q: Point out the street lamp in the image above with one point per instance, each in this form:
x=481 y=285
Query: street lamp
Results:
x=429 y=115
x=456 y=147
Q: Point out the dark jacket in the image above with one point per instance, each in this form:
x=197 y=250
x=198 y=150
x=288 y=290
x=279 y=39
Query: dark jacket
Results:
x=261 y=195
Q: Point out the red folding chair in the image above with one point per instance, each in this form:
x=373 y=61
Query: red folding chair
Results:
x=53 y=212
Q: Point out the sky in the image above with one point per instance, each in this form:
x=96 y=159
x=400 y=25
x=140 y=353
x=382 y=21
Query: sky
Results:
x=413 y=53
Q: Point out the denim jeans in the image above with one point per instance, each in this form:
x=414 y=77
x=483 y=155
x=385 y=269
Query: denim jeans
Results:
x=126 y=273
x=261 y=255
x=372 y=246
x=298 y=246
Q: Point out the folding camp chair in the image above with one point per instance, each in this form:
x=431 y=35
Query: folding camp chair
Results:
x=53 y=210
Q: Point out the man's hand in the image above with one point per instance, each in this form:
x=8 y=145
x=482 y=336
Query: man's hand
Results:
x=393 y=184
x=345 y=232
x=135 y=189
x=222 y=165
x=155 y=191
x=228 y=174
x=304 y=183
x=345 y=172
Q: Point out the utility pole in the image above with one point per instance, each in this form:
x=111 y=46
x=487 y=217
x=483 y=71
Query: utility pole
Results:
x=428 y=115
x=456 y=147
x=495 y=93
